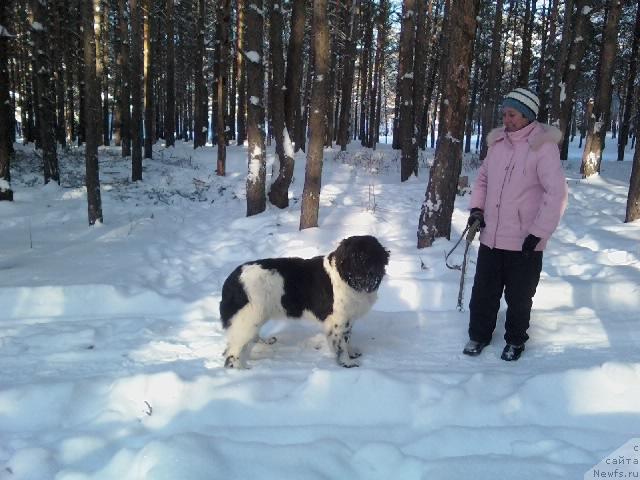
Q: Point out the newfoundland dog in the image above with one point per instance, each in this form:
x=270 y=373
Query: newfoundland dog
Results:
x=335 y=289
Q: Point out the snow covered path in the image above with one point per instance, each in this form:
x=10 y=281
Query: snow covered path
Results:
x=111 y=349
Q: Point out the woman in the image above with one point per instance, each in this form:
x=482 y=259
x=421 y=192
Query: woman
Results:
x=518 y=197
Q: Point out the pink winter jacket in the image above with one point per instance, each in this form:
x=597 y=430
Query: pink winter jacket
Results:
x=520 y=186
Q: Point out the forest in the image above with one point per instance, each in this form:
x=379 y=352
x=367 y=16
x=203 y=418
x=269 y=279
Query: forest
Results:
x=310 y=74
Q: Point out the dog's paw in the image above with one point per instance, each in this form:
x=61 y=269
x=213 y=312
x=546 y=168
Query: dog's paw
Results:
x=233 y=362
x=354 y=353
x=348 y=363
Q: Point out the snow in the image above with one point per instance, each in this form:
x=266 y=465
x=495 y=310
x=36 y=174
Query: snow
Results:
x=253 y=56
x=4 y=185
x=254 y=100
x=37 y=26
x=111 y=344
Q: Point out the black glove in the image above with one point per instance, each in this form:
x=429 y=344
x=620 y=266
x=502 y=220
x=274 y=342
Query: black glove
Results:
x=529 y=244
x=476 y=214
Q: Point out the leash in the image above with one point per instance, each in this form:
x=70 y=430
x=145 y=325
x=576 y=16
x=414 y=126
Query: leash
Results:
x=469 y=233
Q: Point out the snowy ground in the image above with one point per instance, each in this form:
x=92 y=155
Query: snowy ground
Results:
x=110 y=342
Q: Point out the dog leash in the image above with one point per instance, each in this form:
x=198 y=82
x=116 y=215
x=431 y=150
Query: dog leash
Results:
x=470 y=232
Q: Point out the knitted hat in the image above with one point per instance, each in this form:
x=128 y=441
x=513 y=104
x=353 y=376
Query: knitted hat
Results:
x=524 y=101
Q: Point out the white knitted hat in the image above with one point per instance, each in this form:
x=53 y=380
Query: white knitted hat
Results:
x=523 y=100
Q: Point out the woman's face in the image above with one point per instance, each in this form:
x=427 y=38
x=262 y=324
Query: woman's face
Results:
x=513 y=120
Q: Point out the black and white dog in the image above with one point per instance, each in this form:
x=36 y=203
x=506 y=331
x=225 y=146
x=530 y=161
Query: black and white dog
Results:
x=335 y=289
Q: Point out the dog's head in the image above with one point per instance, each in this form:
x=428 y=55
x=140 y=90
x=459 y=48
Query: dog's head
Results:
x=361 y=262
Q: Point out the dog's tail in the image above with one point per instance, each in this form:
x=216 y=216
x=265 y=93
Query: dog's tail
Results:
x=233 y=298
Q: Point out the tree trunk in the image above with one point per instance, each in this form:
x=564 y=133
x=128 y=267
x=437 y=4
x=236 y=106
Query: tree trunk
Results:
x=408 y=141
x=547 y=60
x=597 y=128
x=6 y=193
x=437 y=209
x=224 y=20
x=375 y=98
x=241 y=77
x=525 y=57
x=628 y=100
x=493 y=85
x=560 y=61
x=148 y=80
x=98 y=28
x=71 y=52
x=561 y=111
x=104 y=79
x=419 y=76
x=200 y=126
x=92 y=112
x=365 y=66
x=349 y=66
x=633 y=199
x=125 y=79
x=256 y=200
x=45 y=96
x=293 y=80
x=313 y=171
x=283 y=168
x=136 y=91
x=170 y=113
x=60 y=40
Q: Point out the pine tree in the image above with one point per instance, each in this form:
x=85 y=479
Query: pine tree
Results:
x=597 y=127
x=437 y=209
x=170 y=111
x=136 y=90
x=6 y=144
x=256 y=199
x=279 y=192
x=92 y=112
x=44 y=91
x=318 y=110
x=629 y=88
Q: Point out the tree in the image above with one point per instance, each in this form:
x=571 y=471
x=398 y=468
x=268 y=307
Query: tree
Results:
x=44 y=92
x=136 y=91
x=633 y=199
x=148 y=79
x=295 y=64
x=256 y=200
x=352 y=8
x=629 y=87
x=492 y=89
x=525 y=57
x=170 y=115
x=240 y=76
x=223 y=46
x=318 y=109
x=200 y=127
x=408 y=142
x=124 y=96
x=92 y=109
x=564 y=90
x=597 y=127
x=378 y=72
x=547 y=59
x=283 y=168
x=437 y=209
x=6 y=144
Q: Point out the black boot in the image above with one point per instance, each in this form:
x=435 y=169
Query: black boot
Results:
x=473 y=348
x=511 y=353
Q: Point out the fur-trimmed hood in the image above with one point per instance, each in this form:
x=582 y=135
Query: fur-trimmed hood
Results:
x=537 y=134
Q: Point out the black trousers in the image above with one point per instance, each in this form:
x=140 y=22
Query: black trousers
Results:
x=517 y=275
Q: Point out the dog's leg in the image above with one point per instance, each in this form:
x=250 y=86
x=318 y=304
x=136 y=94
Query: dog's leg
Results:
x=245 y=326
x=338 y=335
